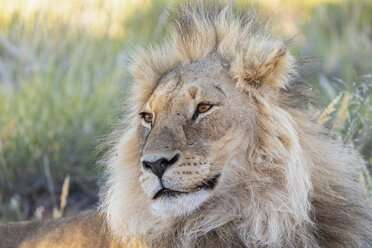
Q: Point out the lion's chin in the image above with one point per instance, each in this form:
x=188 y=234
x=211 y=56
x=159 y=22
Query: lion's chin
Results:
x=180 y=205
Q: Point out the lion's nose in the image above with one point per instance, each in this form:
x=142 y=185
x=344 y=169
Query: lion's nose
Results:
x=159 y=166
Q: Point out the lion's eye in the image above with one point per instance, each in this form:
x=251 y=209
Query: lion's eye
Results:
x=204 y=107
x=147 y=117
x=201 y=108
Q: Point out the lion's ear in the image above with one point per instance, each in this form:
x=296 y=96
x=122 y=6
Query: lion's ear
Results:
x=268 y=65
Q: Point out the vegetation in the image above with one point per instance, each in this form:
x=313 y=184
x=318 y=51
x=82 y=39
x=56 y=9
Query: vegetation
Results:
x=62 y=81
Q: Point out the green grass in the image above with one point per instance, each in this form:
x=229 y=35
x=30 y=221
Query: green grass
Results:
x=62 y=82
x=54 y=114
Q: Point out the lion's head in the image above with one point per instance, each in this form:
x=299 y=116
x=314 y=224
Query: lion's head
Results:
x=212 y=143
x=191 y=127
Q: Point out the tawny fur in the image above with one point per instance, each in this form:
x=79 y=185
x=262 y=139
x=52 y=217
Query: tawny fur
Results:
x=293 y=187
x=286 y=184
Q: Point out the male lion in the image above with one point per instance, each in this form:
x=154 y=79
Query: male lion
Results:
x=219 y=150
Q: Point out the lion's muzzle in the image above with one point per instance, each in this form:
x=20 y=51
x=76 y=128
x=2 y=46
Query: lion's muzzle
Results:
x=159 y=166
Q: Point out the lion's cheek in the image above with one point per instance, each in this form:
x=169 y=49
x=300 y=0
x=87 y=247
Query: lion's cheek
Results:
x=186 y=178
x=223 y=149
x=149 y=183
x=142 y=132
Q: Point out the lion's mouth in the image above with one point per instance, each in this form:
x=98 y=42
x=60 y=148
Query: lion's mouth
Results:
x=208 y=185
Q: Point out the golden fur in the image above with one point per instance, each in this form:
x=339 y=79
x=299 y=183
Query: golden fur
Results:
x=86 y=230
x=282 y=182
x=287 y=185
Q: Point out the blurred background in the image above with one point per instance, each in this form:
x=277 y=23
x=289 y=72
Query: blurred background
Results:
x=63 y=81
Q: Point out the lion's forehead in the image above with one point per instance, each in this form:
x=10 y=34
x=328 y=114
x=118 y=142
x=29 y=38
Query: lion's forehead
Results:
x=174 y=89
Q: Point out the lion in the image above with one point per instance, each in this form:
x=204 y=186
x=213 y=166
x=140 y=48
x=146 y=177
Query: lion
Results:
x=220 y=148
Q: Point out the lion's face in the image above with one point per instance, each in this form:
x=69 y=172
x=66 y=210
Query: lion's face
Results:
x=190 y=127
x=223 y=146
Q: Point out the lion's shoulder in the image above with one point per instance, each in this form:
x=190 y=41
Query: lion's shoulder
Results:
x=85 y=230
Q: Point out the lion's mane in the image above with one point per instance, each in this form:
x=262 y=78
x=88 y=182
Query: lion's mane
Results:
x=295 y=188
